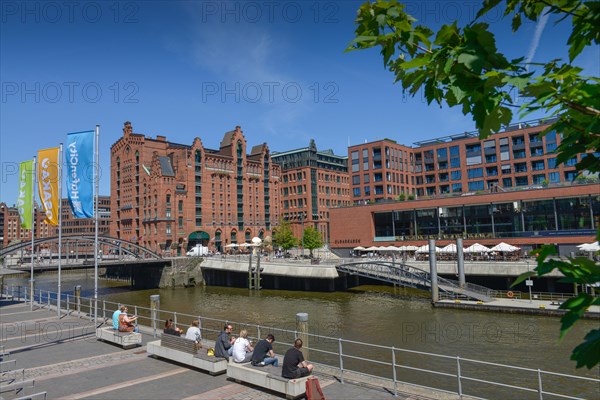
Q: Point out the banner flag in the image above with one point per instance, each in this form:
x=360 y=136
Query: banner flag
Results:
x=48 y=180
x=25 y=193
x=81 y=173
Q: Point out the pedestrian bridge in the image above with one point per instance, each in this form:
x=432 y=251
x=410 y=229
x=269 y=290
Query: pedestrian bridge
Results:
x=82 y=245
x=406 y=275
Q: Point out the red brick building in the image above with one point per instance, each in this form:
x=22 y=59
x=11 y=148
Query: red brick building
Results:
x=10 y=229
x=518 y=157
x=567 y=216
x=312 y=182
x=168 y=197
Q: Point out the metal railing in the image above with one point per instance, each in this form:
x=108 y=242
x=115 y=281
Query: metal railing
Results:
x=385 y=366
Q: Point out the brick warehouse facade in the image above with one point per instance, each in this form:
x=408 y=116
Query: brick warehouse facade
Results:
x=168 y=197
x=312 y=182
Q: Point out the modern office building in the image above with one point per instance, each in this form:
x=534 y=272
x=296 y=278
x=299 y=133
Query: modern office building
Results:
x=168 y=196
x=507 y=187
x=312 y=182
x=518 y=157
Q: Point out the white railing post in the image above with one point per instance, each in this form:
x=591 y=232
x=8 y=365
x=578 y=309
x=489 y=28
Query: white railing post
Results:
x=341 y=360
x=48 y=295
x=458 y=376
x=394 y=371
x=540 y=389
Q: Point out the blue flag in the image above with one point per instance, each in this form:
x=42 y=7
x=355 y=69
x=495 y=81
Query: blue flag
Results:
x=80 y=173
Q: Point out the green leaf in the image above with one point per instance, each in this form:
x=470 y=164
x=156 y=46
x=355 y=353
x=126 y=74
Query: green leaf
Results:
x=586 y=354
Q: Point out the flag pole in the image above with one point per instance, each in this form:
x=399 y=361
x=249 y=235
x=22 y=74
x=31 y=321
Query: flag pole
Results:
x=60 y=185
x=96 y=189
x=31 y=287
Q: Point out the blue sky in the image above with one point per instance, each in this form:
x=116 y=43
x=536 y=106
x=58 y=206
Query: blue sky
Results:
x=199 y=68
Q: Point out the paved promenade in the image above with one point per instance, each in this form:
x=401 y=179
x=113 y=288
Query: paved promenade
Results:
x=66 y=361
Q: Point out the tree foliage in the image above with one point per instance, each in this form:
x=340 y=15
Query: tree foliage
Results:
x=462 y=66
x=284 y=237
x=312 y=239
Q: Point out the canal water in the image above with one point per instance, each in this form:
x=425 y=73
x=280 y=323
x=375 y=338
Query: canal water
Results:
x=374 y=314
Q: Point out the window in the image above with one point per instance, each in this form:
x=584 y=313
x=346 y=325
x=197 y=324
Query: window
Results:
x=367 y=190
x=356 y=191
x=554 y=177
x=491 y=158
x=475 y=173
x=507 y=182
x=570 y=176
x=520 y=167
x=180 y=222
x=168 y=229
x=168 y=199
x=506 y=169
x=521 y=181
x=475 y=185
x=355 y=180
x=551 y=163
x=571 y=162
x=456 y=175
x=366 y=178
x=537 y=165
x=539 y=179
x=491 y=171
x=355 y=162
x=536 y=152
x=455 y=163
x=180 y=206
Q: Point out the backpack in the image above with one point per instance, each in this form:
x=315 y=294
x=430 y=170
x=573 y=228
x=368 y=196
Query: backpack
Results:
x=313 y=389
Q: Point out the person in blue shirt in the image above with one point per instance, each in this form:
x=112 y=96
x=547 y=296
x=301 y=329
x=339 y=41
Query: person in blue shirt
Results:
x=115 y=317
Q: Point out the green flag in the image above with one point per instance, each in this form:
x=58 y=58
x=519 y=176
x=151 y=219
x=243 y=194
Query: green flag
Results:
x=25 y=193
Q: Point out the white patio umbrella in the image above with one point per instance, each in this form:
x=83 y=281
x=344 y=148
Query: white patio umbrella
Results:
x=425 y=249
x=359 y=248
x=372 y=248
x=477 y=248
x=232 y=245
x=410 y=248
x=591 y=247
x=505 y=247
x=451 y=248
x=392 y=248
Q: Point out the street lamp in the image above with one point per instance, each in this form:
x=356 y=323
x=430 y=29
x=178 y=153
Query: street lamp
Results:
x=302 y=220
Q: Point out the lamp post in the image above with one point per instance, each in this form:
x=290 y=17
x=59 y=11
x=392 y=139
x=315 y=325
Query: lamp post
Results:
x=302 y=220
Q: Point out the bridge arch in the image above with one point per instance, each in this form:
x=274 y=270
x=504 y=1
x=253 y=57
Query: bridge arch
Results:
x=107 y=244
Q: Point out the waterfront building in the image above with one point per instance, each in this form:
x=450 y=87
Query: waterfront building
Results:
x=312 y=182
x=169 y=197
x=11 y=230
x=518 y=157
x=86 y=226
x=507 y=187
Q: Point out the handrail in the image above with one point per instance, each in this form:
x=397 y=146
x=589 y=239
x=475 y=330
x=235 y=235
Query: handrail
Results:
x=348 y=356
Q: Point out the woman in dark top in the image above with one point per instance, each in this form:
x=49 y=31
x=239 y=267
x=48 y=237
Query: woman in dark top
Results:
x=170 y=328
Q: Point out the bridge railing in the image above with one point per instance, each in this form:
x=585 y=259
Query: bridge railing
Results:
x=387 y=366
